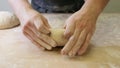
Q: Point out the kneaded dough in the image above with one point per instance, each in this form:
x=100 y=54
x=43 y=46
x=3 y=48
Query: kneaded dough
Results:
x=58 y=36
x=8 y=20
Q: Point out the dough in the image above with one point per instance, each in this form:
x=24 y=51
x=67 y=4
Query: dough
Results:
x=8 y=20
x=58 y=36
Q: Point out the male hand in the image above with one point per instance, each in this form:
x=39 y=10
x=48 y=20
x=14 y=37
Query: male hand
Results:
x=79 y=29
x=36 y=28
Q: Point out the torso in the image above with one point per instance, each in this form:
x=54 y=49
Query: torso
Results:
x=57 y=6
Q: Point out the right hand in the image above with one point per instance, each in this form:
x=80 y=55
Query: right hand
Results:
x=36 y=28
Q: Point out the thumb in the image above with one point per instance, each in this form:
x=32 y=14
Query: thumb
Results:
x=46 y=23
x=40 y=26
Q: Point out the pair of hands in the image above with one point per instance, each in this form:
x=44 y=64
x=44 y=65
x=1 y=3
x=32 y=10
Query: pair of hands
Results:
x=79 y=29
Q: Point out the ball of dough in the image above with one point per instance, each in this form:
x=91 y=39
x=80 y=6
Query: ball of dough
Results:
x=8 y=20
x=58 y=36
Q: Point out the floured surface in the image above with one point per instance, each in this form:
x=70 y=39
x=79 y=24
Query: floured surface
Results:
x=16 y=51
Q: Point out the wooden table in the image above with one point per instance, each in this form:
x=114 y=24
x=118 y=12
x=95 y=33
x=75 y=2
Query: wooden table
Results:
x=16 y=51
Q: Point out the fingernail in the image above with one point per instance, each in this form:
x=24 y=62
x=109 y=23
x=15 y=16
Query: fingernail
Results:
x=72 y=54
x=49 y=48
x=47 y=31
x=54 y=44
x=80 y=53
x=63 y=53
x=42 y=49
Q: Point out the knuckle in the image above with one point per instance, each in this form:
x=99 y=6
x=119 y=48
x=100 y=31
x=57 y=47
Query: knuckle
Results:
x=25 y=33
x=68 y=33
x=24 y=30
x=28 y=22
x=79 y=43
x=79 y=26
x=40 y=26
x=72 y=38
x=39 y=35
x=25 y=27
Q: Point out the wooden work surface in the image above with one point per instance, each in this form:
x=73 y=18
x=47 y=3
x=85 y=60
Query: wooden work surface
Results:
x=16 y=51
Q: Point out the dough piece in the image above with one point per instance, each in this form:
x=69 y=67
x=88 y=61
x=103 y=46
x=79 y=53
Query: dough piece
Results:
x=57 y=35
x=8 y=20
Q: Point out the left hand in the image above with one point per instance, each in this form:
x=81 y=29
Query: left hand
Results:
x=79 y=29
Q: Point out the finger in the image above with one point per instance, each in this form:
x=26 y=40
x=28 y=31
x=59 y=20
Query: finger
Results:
x=85 y=45
x=71 y=42
x=27 y=35
x=46 y=23
x=34 y=37
x=39 y=40
x=79 y=43
x=68 y=46
x=70 y=27
x=44 y=30
x=47 y=40
x=33 y=41
x=64 y=26
x=41 y=27
x=43 y=37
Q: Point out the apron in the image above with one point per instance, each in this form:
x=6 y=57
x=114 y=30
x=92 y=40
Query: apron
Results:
x=57 y=6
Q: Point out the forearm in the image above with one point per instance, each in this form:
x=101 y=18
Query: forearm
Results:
x=20 y=7
x=93 y=6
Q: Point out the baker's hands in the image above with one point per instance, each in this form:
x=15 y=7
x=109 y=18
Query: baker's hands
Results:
x=36 y=28
x=79 y=29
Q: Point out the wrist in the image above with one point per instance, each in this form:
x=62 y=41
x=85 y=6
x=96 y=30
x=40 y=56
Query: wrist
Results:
x=89 y=11
x=94 y=7
x=84 y=15
x=27 y=15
